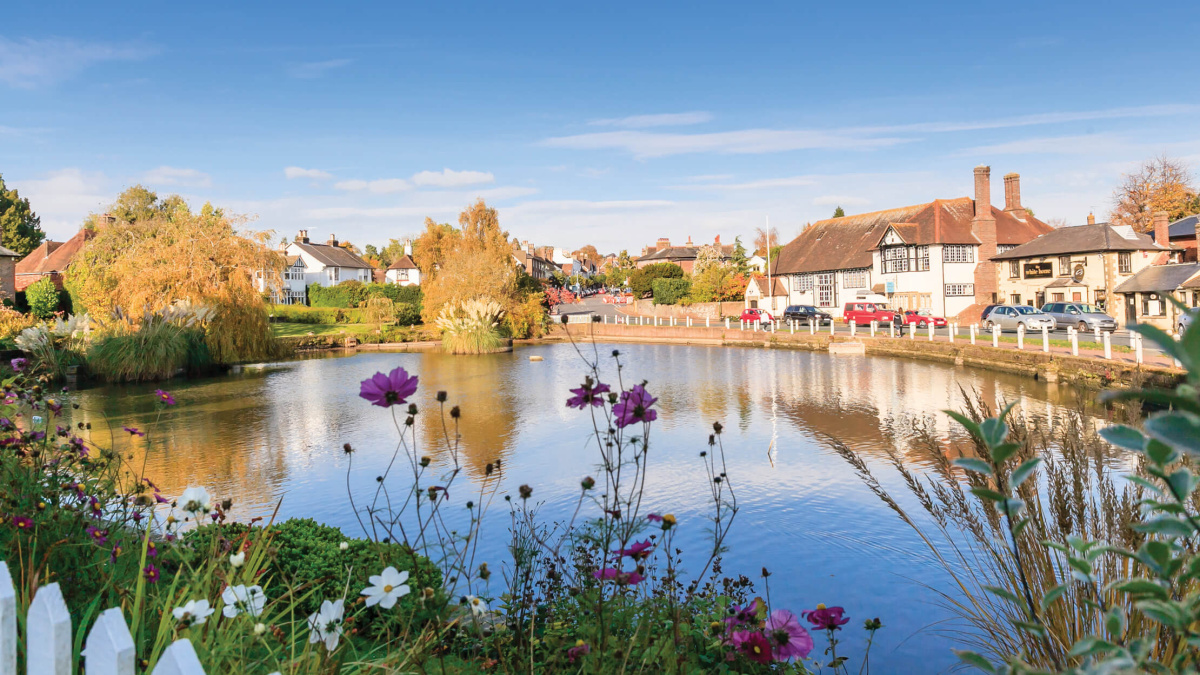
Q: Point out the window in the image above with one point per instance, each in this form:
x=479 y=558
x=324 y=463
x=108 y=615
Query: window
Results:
x=960 y=290
x=804 y=283
x=1014 y=269
x=922 y=258
x=1014 y=299
x=826 y=297
x=1125 y=262
x=1059 y=297
x=1195 y=298
x=895 y=259
x=854 y=279
x=958 y=253
x=1064 y=265
x=1152 y=305
x=1004 y=248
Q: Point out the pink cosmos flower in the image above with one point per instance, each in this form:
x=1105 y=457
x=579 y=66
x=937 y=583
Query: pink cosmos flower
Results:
x=753 y=645
x=826 y=618
x=133 y=431
x=588 y=395
x=578 y=650
x=164 y=397
x=614 y=574
x=636 y=550
x=654 y=517
x=388 y=390
x=747 y=615
x=634 y=407
x=150 y=572
x=18 y=364
x=22 y=523
x=788 y=638
x=97 y=535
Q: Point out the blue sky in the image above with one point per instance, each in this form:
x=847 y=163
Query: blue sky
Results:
x=610 y=124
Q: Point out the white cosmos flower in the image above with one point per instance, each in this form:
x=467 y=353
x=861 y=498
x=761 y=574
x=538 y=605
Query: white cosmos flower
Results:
x=386 y=588
x=238 y=559
x=194 y=613
x=477 y=605
x=240 y=599
x=344 y=545
x=195 y=501
x=326 y=624
x=260 y=628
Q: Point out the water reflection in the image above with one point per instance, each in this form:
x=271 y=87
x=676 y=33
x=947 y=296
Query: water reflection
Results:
x=276 y=432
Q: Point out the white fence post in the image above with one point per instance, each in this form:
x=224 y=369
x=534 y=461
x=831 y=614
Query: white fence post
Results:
x=792 y=326
x=930 y=324
x=1074 y=340
x=109 y=649
x=951 y=329
x=1107 y=346
x=891 y=329
x=8 y=623
x=812 y=326
x=995 y=335
x=179 y=659
x=1020 y=336
x=1137 y=349
x=972 y=333
x=726 y=323
x=873 y=323
x=1097 y=334
x=853 y=327
x=912 y=330
x=832 y=330
x=48 y=633
x=1045 y=338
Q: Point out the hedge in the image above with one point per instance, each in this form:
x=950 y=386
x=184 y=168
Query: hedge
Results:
x=670 y=291
x=406 y=314
x=350 y=294
x=641 y=279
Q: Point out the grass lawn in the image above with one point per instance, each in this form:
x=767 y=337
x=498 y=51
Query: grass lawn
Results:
x=295 y=329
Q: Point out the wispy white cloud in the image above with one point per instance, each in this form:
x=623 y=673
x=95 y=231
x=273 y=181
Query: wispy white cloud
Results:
x=315 y=69
x=63 y=198
x=169 y=175
x=840 y=200
x=1085 y=144
x=709 y=178
x=28 y=63
x=663 y=120
x=764 y=184
x=448 y=178
x=503 y=192
x=582 y=205
x=382 y=212
x=379 y=187
x=297 y=172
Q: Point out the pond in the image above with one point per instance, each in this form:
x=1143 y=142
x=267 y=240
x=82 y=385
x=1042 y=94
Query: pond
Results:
x=272 y=435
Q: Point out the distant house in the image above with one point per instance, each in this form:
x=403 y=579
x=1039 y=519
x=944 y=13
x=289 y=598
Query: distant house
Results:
x=403 y=271
x=934 y=256
x=534 y=265
x=1146 y=294
x=308 y=263
x=1183 y=233
x=756 y=294
x=50 y=259
x=757 y=263
x=684 y=256
x=1084 y=263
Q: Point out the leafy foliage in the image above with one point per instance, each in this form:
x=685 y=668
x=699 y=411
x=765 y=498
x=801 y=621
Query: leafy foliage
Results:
x=1159 y=184
x=671 y=291
x=354 y=293
x=43 y=298
x=642 y=279
x=20 y=227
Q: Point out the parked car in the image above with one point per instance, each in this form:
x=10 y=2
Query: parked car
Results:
x=922 y=318
x=802 y=314
x=1013 y=317
x=863 y=313
x=1186 y=319
x=750 y=314
x=1084 y=317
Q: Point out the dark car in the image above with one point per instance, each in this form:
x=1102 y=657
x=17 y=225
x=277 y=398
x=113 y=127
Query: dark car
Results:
x=803 y=313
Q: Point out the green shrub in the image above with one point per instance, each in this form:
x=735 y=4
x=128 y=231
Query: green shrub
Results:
x=351 y=294
x=671 y=291
x=43 y=298
x=157 y=350
x=302 y=314
x=307 y=554
x=640 y=282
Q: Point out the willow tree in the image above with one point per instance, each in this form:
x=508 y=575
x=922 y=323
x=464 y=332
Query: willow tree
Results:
x=162 y=252
x=472 y=262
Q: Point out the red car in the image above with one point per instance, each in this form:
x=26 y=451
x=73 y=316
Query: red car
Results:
x=863 y=313
x=753 y=315
x=923 y=318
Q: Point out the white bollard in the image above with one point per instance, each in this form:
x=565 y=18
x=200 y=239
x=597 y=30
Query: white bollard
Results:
x=1074 y=340
x=812 y=326
x=1107 y=346
x=1045 y=338
x=853 y=327
x=726 y=323
x=930 y=324
x=792 y=326
x=832 y=330
x=1020 y=337
x=972 y=333
x=741 y=324
x=892 y=329
x=1137 y=347
x=951 y=329
x=912 y=330
x=1097 y=335
x=873 y=323
x=706 y=322
x=995 y=335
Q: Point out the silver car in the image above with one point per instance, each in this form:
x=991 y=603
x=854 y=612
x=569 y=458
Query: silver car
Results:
x=1085 y=318
x=1186 y=319
x=1014 y=317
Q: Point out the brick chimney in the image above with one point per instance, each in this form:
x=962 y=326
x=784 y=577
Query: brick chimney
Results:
x=1012 y=195
x=984 y=227
x=662 y=243
x=332 y=239
x=1161 y=235
x=302 y=237
x=1091 y=219
x=689 y=241
x=717 y=240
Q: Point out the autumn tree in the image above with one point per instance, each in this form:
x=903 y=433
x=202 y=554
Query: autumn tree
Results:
x=471 y=262
x=431 y=248
x=20 y=227
x=708 y=256
x=1160 y=184
x=166 y=253
x=588 y=253
x=763 y=235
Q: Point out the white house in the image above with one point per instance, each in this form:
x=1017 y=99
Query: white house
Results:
x=934 y=256
x=327 y=264
x=757 y=263
x=404 y=271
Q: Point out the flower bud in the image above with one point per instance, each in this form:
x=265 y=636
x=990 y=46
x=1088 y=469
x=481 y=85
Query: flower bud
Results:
x=588 y=483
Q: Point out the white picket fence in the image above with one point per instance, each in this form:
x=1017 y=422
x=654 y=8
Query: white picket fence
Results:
x=108 y=649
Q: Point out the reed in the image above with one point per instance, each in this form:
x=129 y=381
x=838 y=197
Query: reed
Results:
x=471 y=327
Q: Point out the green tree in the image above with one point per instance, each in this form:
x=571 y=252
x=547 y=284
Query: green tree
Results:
x=42 y=297
x=739 y=259
x=642 y=280
x=20 y=228
x=839 y=213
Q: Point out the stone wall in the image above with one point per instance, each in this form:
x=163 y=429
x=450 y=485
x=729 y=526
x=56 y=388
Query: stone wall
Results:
x=701 y=310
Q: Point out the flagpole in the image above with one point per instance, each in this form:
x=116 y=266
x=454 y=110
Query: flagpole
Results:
x=770 y=289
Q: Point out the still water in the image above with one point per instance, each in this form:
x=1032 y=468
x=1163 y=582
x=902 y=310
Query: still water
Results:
x=273 y=435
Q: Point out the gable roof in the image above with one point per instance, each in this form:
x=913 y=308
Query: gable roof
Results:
x=683 y=253
x=1080 y=239
x=760 y=284
x=53 y=256
x=847 y=242
x=332 y=256
x=403 y=263
x=1159 y=278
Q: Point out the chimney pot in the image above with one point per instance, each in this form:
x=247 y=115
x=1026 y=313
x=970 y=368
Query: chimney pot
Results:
x=983 y=193
x=1161 y=236
x=717 y=240
x=1091 y=219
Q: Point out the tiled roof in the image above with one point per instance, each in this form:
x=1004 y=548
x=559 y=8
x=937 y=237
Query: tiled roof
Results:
x=333 y=256
x=1182 y=228
x=1080 y=239
x=847 y=242
x=403 y=263
x=291 y=259
x=683 y=253
x=1160 y=278
x=777 y=284
x=53 y=256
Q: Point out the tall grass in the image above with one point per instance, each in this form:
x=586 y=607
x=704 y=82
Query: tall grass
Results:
x=156 y=347
x=1079 y=493
x=471 y=328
